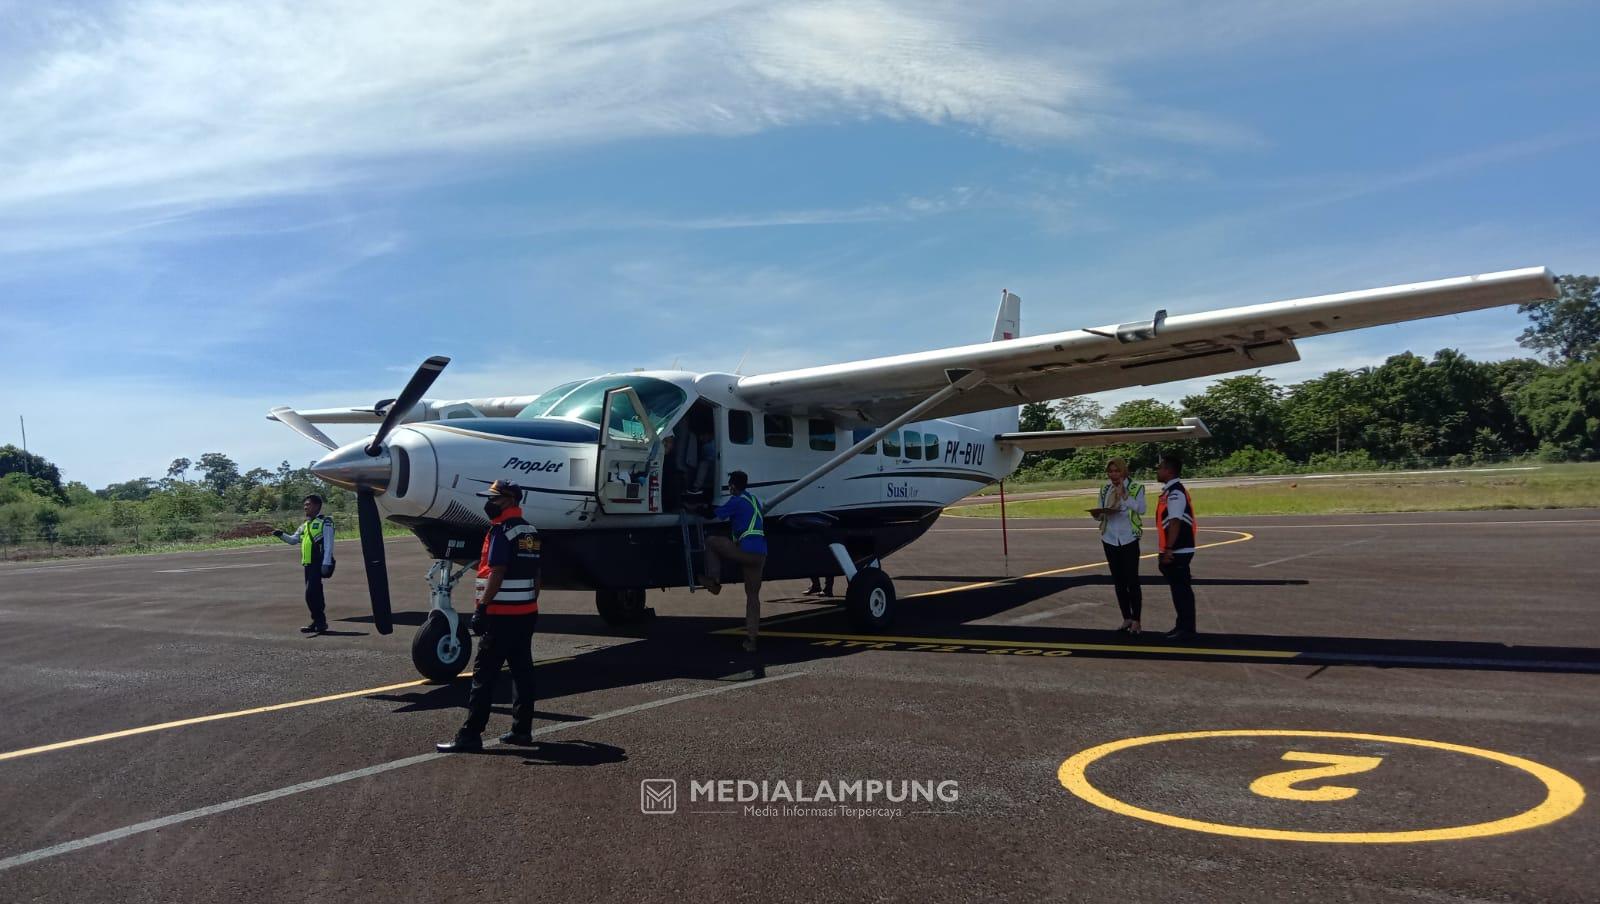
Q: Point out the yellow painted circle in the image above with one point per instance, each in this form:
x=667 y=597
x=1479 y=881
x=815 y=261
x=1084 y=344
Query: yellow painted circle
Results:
x=1562 y=797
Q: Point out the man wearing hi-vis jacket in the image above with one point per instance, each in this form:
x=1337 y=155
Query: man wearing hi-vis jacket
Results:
x=315 y=539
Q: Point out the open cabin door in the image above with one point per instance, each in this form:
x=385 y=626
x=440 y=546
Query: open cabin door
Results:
x=629 y=463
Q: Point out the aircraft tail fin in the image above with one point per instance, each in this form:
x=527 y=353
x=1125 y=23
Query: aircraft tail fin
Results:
x=1008 y=320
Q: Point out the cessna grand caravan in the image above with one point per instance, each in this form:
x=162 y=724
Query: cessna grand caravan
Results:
x=852 y=461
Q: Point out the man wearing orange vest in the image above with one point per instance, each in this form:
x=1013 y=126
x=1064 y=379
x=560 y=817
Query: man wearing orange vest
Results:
x=1175 y=523
x=508 y=607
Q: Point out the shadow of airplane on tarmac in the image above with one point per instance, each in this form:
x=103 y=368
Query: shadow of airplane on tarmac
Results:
x=706 y=648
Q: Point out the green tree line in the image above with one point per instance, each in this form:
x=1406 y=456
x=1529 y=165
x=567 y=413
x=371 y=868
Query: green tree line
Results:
x=205 y=499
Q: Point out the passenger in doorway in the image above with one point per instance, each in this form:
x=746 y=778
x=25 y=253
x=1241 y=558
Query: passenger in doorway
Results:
x=820 y=586
x=746 y=547
x=1120 y=510
x=705 y=462
x=1175 y=519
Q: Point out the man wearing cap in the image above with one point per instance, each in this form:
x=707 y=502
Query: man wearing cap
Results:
x=315 y=539
x=508 y=607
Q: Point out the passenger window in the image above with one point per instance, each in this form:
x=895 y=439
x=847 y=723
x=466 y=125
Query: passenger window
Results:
x=779 y=429
x=823 y=439
x=741 y=427
x=930 y=444
x=857 y=436
x=913 y=441
x=891 y=444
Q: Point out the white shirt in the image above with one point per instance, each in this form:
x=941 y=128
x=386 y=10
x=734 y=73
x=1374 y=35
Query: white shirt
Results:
x=1118 y=526
x=1177 y=509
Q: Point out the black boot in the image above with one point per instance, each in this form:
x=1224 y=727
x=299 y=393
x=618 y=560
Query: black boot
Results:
x=462 y=743
x=518 y=737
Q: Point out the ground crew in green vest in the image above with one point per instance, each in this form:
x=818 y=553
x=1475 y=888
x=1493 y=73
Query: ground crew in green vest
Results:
x=1121 y=505
x=315 y=539
x=745 y=546
x=507 y=610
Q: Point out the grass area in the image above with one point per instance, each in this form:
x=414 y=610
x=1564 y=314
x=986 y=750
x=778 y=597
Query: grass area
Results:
x=39 y=551
x=1042 y=486
x=1550 y=487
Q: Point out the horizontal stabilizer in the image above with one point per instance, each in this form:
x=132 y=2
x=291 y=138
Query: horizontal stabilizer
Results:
x=1045 y=440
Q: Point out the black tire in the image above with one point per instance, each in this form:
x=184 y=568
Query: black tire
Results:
x=620 y=608
x=428 y=648
x=870 y=599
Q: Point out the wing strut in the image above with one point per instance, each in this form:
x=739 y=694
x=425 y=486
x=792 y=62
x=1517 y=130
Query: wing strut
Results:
x=967 y=381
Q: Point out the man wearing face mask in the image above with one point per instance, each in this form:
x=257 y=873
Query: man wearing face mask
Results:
x=508 y=607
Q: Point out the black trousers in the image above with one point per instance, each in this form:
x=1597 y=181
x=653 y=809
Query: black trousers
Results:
x=508 y=640
x=1124 y=562
x=1177 y=574
x=314 y=600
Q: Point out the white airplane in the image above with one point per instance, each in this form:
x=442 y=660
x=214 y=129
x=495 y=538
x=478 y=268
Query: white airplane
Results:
x=851 y=461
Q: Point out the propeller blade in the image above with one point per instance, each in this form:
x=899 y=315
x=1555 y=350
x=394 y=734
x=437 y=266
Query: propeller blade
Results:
x=372 y=554
x=409 y=397
x=300 y=425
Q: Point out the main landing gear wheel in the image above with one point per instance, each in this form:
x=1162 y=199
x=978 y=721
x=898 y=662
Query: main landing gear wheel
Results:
x=620 y=608
x=870 y=599
x=435 y=653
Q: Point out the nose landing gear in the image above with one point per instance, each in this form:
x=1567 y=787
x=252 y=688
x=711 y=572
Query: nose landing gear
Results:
x=442 y=647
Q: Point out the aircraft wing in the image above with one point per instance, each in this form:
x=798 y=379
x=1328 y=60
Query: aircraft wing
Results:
x=1141 y=353
x=1044 y=440
x=425 y=410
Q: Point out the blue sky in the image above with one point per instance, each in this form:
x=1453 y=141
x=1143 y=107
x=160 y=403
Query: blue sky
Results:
x=209 y=210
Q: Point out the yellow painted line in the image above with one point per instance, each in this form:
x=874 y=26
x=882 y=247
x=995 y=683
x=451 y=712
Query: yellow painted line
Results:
x=1032 y=645
x=1563 y=795
x=217 y=717
x=778 y=620
x=1243 y=536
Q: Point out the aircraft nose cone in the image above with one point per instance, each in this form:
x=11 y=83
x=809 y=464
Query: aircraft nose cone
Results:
x=352 y=468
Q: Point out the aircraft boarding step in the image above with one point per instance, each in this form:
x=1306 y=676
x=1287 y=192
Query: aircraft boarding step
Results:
x=693 y=529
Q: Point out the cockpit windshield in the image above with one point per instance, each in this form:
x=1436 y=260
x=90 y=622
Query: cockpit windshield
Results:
x=583 y=401
x=546 y=399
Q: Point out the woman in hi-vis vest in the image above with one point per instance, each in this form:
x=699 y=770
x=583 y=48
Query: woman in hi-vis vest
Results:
x=1119 y=511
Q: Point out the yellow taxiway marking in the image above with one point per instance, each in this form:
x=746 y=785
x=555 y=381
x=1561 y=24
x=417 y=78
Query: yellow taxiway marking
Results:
x=1562 y=797
x=1243 y=536
x=217 y=717
x=796 y=616
x=1026 y=644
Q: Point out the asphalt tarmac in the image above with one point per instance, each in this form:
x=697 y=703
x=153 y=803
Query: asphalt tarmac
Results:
x=1380 y=708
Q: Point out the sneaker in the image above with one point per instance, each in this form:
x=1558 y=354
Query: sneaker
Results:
x=811 y=591
x=710 y=586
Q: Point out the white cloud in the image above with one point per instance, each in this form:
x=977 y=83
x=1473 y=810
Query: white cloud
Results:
x=149 y=106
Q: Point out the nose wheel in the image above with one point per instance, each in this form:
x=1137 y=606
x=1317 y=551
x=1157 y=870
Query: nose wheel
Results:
x=437 y=652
